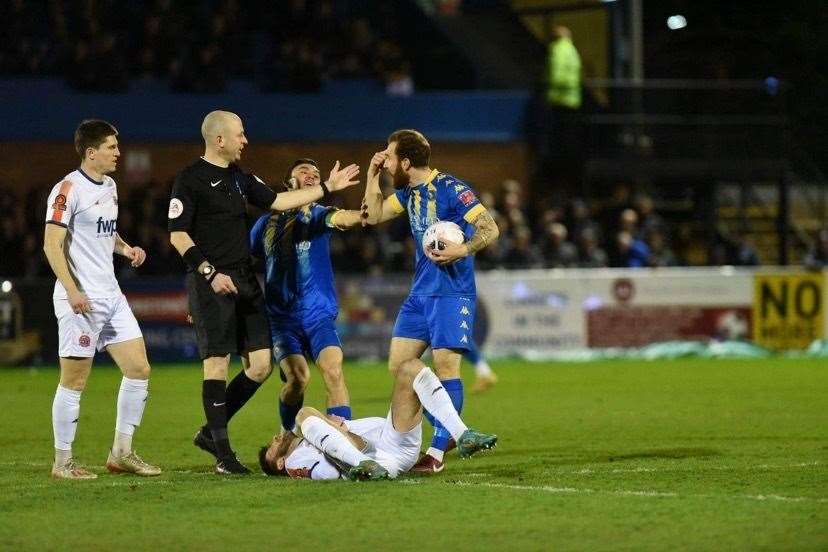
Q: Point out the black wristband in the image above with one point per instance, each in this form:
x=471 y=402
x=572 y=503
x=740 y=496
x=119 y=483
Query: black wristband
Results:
x=325 y=191
x=194 y=258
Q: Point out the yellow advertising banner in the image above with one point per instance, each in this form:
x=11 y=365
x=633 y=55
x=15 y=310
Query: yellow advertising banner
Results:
x=788 y=309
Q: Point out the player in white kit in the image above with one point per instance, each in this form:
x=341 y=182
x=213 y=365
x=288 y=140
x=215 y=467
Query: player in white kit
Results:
x=92 y=314
x=322 y=447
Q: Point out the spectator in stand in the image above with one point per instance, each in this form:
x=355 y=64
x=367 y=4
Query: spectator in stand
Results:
x=590 y=254
x=579 y=217
x=557 y=252
x=660 y=252
x=648 y=218
x=522 y=254
x=817 y=256
x=632 y=252
x=743 y=252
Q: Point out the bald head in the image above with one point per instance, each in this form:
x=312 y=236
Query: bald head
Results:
x=224 y=138
x=216 y=123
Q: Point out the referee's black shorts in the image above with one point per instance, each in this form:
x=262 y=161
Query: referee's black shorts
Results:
x=226 y=324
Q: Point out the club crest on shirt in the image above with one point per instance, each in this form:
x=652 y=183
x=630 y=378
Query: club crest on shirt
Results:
x=467 y=198
x=60 y=203
x=84 y=341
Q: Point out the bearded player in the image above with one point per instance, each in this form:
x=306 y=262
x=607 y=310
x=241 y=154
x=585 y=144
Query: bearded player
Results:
x=439 y=310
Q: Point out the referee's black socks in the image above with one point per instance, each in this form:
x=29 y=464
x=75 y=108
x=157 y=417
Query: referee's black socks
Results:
x=239 y=391
x=214 y=397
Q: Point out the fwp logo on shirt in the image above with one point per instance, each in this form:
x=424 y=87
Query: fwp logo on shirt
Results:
x=107 y=227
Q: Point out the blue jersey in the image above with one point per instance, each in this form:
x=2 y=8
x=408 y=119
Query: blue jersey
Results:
x=295 y=245
x=441 y=198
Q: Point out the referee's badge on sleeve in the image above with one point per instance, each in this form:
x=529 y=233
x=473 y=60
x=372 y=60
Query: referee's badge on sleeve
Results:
x=176 y=208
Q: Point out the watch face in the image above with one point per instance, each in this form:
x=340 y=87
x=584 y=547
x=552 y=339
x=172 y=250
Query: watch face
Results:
x=207 y=270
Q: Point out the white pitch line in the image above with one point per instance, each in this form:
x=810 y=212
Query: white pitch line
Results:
x=593 y=471
x=658 y=494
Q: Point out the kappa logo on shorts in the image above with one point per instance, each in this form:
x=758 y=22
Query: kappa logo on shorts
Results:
x=464 y=311
x=84 y=341
x=465 y=339
x=464 y=325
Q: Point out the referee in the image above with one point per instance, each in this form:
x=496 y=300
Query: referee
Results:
x=208 y=228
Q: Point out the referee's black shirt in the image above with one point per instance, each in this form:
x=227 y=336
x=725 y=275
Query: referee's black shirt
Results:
x=209 y=203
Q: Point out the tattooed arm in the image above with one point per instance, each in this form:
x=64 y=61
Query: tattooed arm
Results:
x=485 y=233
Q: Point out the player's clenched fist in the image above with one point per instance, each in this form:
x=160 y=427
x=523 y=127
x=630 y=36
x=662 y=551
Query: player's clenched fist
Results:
x=136 y=255
x=223 y=284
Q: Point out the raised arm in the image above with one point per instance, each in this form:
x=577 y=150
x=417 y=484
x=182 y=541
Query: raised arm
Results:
x=375 y=207
x=338 y=179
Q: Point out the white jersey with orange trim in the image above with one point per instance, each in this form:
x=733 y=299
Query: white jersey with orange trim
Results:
x=89 y=212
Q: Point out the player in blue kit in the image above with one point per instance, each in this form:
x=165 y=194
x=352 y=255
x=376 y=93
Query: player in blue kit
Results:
x=300 y=296
x=439 y=310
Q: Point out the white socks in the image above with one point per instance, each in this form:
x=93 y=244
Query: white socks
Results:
x=132 y=399
x=436 y=400
x=329 y=440
x=65 y=413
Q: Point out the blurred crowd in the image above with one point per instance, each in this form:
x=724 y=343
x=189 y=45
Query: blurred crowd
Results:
x=626 y=231
x=291 y=45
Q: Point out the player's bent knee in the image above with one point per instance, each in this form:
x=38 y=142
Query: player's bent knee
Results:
x=259 y=373
x=138 y=371
x=410 y=368
x=332 y=373
x=306 y=412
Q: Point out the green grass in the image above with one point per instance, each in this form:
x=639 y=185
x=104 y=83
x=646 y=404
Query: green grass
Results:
x=678 y=455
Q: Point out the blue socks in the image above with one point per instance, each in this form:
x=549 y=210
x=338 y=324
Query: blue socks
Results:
x=288 y=413
x=454 y=388
x=343 y=411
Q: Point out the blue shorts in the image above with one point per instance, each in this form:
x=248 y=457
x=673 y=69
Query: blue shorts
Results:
x=442 y=322
x=294 y=337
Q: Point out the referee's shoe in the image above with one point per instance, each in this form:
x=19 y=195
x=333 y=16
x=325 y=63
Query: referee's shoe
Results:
x=228 y=465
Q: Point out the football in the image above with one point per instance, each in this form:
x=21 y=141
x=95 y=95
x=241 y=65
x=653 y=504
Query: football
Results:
x=441 y=231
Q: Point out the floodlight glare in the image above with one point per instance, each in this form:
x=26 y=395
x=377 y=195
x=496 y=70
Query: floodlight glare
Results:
x=676 y=22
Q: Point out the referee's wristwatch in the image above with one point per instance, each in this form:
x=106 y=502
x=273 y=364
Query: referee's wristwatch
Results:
x=209 y=272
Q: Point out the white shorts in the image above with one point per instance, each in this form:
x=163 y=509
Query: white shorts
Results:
x=80 y=335
x=398 y=452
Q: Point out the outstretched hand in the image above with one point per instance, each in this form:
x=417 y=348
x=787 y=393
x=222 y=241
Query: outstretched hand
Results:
x=339 y=179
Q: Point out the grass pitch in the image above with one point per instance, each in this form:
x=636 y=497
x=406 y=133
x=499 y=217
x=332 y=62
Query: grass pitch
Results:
x=678 y=455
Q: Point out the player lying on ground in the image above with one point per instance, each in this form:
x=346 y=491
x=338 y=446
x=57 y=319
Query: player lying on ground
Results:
x=371 y=448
